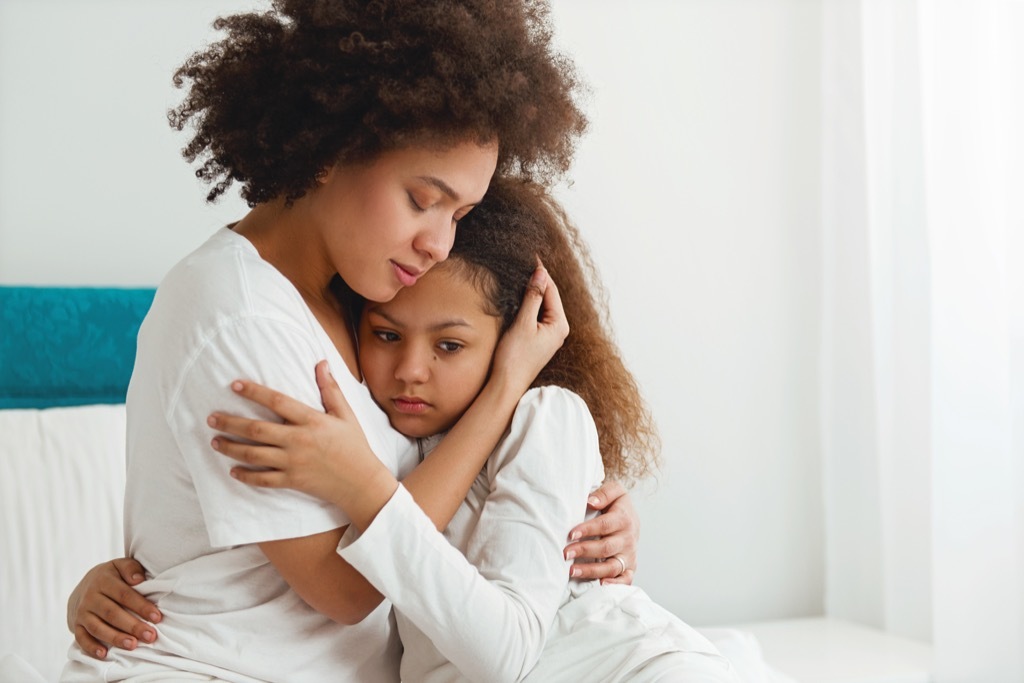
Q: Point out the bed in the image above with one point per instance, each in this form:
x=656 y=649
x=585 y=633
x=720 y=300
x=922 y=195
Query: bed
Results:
x=66 y=356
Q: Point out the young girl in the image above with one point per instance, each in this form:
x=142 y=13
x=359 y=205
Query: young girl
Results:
x=506 y=611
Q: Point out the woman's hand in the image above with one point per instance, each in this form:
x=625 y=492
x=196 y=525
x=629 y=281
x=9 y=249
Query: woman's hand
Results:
x=100 y=609
x=323 y=454
x=537 y=333
x=610 y=538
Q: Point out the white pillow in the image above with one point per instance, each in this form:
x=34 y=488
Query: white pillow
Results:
x=62 y=479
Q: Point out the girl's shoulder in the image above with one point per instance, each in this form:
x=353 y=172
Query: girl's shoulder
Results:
x=552 y=429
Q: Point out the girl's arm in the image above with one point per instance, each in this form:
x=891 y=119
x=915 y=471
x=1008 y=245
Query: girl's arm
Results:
x=489 y=613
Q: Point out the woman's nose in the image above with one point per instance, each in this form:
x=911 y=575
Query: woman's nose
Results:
x=436 y=242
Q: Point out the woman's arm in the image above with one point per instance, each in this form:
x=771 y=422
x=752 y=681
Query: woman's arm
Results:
x=310 y=564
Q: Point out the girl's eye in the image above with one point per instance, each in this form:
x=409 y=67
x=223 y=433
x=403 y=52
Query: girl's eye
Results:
x=449 y=346
x=386 y=336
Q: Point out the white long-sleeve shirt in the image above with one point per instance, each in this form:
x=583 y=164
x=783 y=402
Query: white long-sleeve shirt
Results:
x=491 y=600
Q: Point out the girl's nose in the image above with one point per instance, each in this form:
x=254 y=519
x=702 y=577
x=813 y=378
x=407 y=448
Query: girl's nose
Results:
x=413 y=367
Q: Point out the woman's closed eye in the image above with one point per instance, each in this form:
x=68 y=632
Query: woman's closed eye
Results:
x=417 y=205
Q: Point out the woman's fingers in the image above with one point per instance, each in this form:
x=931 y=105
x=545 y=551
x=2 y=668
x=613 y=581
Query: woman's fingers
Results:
x=109 y=622
x=608 y=570
x=330 y=393
x=102 y=609
x=625 y=578
x=605 y=547
x=132 y=573
x=89 y=645
x=607 y=493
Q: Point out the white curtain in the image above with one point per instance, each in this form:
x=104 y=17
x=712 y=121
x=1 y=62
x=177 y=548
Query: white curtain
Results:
x=923 y=326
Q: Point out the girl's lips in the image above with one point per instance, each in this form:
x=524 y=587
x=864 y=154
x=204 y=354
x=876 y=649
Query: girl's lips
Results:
x=410 y=406
x=405 y=275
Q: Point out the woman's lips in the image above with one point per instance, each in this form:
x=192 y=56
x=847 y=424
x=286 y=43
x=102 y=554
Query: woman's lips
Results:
x=410 y=406
x=407 y=276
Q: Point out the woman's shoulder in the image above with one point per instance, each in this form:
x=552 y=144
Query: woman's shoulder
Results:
x=225 y=278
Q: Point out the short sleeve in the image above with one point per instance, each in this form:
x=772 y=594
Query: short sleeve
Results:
x=277 y=354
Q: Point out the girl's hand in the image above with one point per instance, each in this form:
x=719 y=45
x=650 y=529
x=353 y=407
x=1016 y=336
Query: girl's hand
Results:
x=610 y=538
x=537 y=333
x=323 y=454
x=100 y=609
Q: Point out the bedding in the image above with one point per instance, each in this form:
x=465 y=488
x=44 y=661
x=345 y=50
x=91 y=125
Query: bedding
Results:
x=66 y=356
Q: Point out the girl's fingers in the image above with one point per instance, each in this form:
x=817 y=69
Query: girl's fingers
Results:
x=251 y=455
x=287 y=407
x=270 y=479
x=529 y=310
x=330 y=393
x=269 y=433
x=553 y=315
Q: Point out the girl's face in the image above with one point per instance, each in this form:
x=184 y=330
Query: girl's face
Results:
x=387 y=222
x=426 y=353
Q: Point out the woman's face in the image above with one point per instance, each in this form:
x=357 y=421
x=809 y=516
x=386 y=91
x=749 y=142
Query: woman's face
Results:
x=387 y=222
x=426 y=353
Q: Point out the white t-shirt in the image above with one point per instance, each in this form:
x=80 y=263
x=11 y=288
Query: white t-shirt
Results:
x=515 y=615
x=222 y=314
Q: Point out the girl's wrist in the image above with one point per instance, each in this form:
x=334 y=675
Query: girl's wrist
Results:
x=363 y=500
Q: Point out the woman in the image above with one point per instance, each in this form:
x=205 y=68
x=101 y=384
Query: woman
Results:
x=360 y=133
x=506 y=611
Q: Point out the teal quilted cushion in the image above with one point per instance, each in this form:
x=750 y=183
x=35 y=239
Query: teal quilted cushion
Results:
x=68 y=346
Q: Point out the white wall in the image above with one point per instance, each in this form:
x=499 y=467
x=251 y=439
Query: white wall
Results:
x=697 y=187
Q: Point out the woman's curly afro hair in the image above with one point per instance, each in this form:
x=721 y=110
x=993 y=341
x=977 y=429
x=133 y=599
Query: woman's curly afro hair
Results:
x=289 y=92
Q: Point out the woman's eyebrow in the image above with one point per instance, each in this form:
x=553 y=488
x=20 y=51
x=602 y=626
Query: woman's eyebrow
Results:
x=441 y=185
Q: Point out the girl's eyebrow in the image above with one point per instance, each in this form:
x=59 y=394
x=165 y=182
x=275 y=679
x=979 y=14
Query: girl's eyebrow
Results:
x=444 y=324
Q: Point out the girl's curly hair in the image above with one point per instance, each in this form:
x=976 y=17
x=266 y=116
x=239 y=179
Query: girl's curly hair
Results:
x=291 y=91
x=497 y=245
